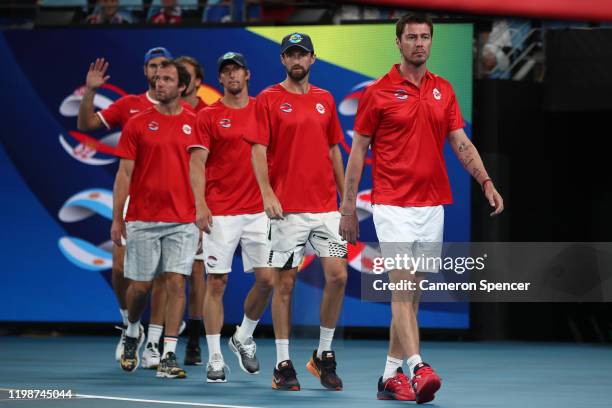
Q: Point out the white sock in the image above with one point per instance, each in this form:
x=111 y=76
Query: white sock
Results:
x=154 y=333
x=391 y=367
x=412 y=362
x=246 y=329
x=214 y=344
x=169 y=345
x=325 y=340
x=282 y=350
x=133 y=329
x=124 y=316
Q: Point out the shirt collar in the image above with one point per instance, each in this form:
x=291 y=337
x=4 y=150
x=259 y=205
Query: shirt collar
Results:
x=397 y=78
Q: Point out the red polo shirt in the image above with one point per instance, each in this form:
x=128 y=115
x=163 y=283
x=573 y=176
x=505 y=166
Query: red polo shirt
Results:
x=299 y=131
x=231 y=187
x=408 y=125
x=160 y=189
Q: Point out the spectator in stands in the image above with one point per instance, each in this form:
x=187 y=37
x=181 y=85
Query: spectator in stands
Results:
x=107 y=12
x=493 y=57
x=169 y=13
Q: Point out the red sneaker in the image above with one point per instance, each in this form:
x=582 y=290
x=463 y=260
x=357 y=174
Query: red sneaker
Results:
x=395 y=388
x=425 y=382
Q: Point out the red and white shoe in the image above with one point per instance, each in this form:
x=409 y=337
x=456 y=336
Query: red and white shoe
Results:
x=395 y=388
x=425 y=382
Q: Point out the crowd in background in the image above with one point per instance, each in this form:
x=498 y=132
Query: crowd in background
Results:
x=506 y=49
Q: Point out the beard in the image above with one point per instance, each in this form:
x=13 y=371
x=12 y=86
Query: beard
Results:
x=166 y=97
x=234 y=90
x=414 y=60
x=297 y=74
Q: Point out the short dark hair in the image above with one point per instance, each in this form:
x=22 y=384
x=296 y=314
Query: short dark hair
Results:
x=415 y=18
x=183 y=75
x=199 y=70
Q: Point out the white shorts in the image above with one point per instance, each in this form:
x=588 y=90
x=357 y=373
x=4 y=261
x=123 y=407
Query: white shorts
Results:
x=412 y=231
x=155 y=247
x=248 y=230
x=288 y=238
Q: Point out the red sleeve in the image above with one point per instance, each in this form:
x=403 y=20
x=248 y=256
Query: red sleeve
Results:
x=128 y=143
x=334 y=133
x=112 y=116
x=455 y=120
x=260 y=134
x=203 y=134
x=366 y=121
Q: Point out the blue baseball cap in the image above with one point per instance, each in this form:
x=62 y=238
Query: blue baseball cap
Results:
x=234 y=57
x=300 y=40
x=155 y=53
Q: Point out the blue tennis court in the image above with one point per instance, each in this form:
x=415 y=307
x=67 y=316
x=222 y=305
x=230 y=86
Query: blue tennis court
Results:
x=473 y=374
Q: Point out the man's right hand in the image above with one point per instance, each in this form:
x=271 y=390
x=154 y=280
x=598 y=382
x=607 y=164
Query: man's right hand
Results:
x=96 y=76
x=272 y=206
x=118 y=231
x=204 y=220
x=349 y=226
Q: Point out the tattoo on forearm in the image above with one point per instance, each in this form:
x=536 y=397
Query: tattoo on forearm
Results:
x=464 y=147
x=467 y=161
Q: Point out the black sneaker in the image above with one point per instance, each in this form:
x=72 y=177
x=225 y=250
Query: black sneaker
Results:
x=131 y=349
x=324 y=368
x=245 y=352
x=284 y=377
x=168 y=367
x=193 y=354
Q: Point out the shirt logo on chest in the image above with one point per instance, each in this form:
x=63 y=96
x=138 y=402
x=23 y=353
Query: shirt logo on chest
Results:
x=401 y=95
x=286 y=107
x=436 y=94
x=320 y=108
x=225 y=123
x=153 y=126
x=132 y=111
x=187 y=129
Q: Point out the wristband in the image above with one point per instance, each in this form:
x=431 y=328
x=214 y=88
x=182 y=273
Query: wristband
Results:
x=484 y=183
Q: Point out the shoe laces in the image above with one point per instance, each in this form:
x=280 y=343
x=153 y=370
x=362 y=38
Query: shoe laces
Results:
x=248 y=347
x=130 y=345
x=287 y=371
x=425 y=370
x=399 y=379
x=217 y=363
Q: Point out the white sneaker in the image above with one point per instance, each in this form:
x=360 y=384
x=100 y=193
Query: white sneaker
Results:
x=119 y=348
x=150 y=356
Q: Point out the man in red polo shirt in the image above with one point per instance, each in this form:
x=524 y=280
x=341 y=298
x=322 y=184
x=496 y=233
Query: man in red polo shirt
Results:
x=161 y=232
x=298 y=133
x=406 y=116
x=230 y=211
x=116 y=115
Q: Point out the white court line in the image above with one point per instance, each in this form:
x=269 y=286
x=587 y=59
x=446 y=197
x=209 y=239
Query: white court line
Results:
x=193 y=404
x=103 y=397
